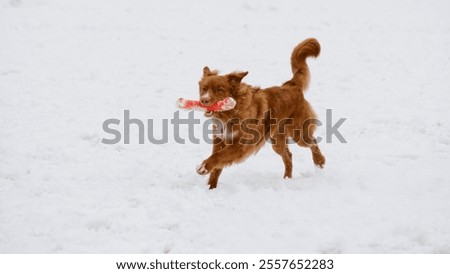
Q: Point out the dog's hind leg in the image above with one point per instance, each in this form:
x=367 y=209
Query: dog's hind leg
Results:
x=318 y=157
x=279 y=146
x=304 y=139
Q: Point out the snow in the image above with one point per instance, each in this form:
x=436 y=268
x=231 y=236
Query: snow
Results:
x=67 y=66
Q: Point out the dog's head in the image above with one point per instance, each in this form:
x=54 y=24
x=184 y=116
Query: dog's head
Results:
x=214 y=87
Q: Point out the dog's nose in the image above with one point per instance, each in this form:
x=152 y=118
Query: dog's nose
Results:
x=205 y=101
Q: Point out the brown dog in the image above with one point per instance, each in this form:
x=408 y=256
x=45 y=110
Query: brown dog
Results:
x=273 y=114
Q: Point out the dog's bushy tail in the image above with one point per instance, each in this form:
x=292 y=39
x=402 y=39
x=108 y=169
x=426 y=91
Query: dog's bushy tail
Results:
x=307 y=48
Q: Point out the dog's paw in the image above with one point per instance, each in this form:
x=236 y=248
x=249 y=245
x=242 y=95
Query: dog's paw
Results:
x=319 y=160
x=201 y=169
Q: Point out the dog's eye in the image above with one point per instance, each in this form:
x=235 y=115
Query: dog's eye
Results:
x=219 y=89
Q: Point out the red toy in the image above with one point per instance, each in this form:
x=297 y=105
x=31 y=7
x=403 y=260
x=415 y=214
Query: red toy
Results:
x=222 y=105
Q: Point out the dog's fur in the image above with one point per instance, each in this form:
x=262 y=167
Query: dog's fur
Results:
x=281 y=112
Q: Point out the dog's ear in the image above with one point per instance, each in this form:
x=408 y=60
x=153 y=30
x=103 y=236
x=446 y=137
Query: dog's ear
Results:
x=207 y=72
x=235 y=78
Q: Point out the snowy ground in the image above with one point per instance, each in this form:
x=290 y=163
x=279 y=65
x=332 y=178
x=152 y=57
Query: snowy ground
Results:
x=66 y=66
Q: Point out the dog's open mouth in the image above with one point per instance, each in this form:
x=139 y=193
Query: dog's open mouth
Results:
x=208 y=113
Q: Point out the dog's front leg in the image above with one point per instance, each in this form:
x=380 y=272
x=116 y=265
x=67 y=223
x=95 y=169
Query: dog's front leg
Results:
x=214 y=178
x=218 y=144
x=208 y=165
x=226 y=156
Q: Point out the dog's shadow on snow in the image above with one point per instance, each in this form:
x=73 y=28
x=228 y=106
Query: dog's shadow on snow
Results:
x=259 y=181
